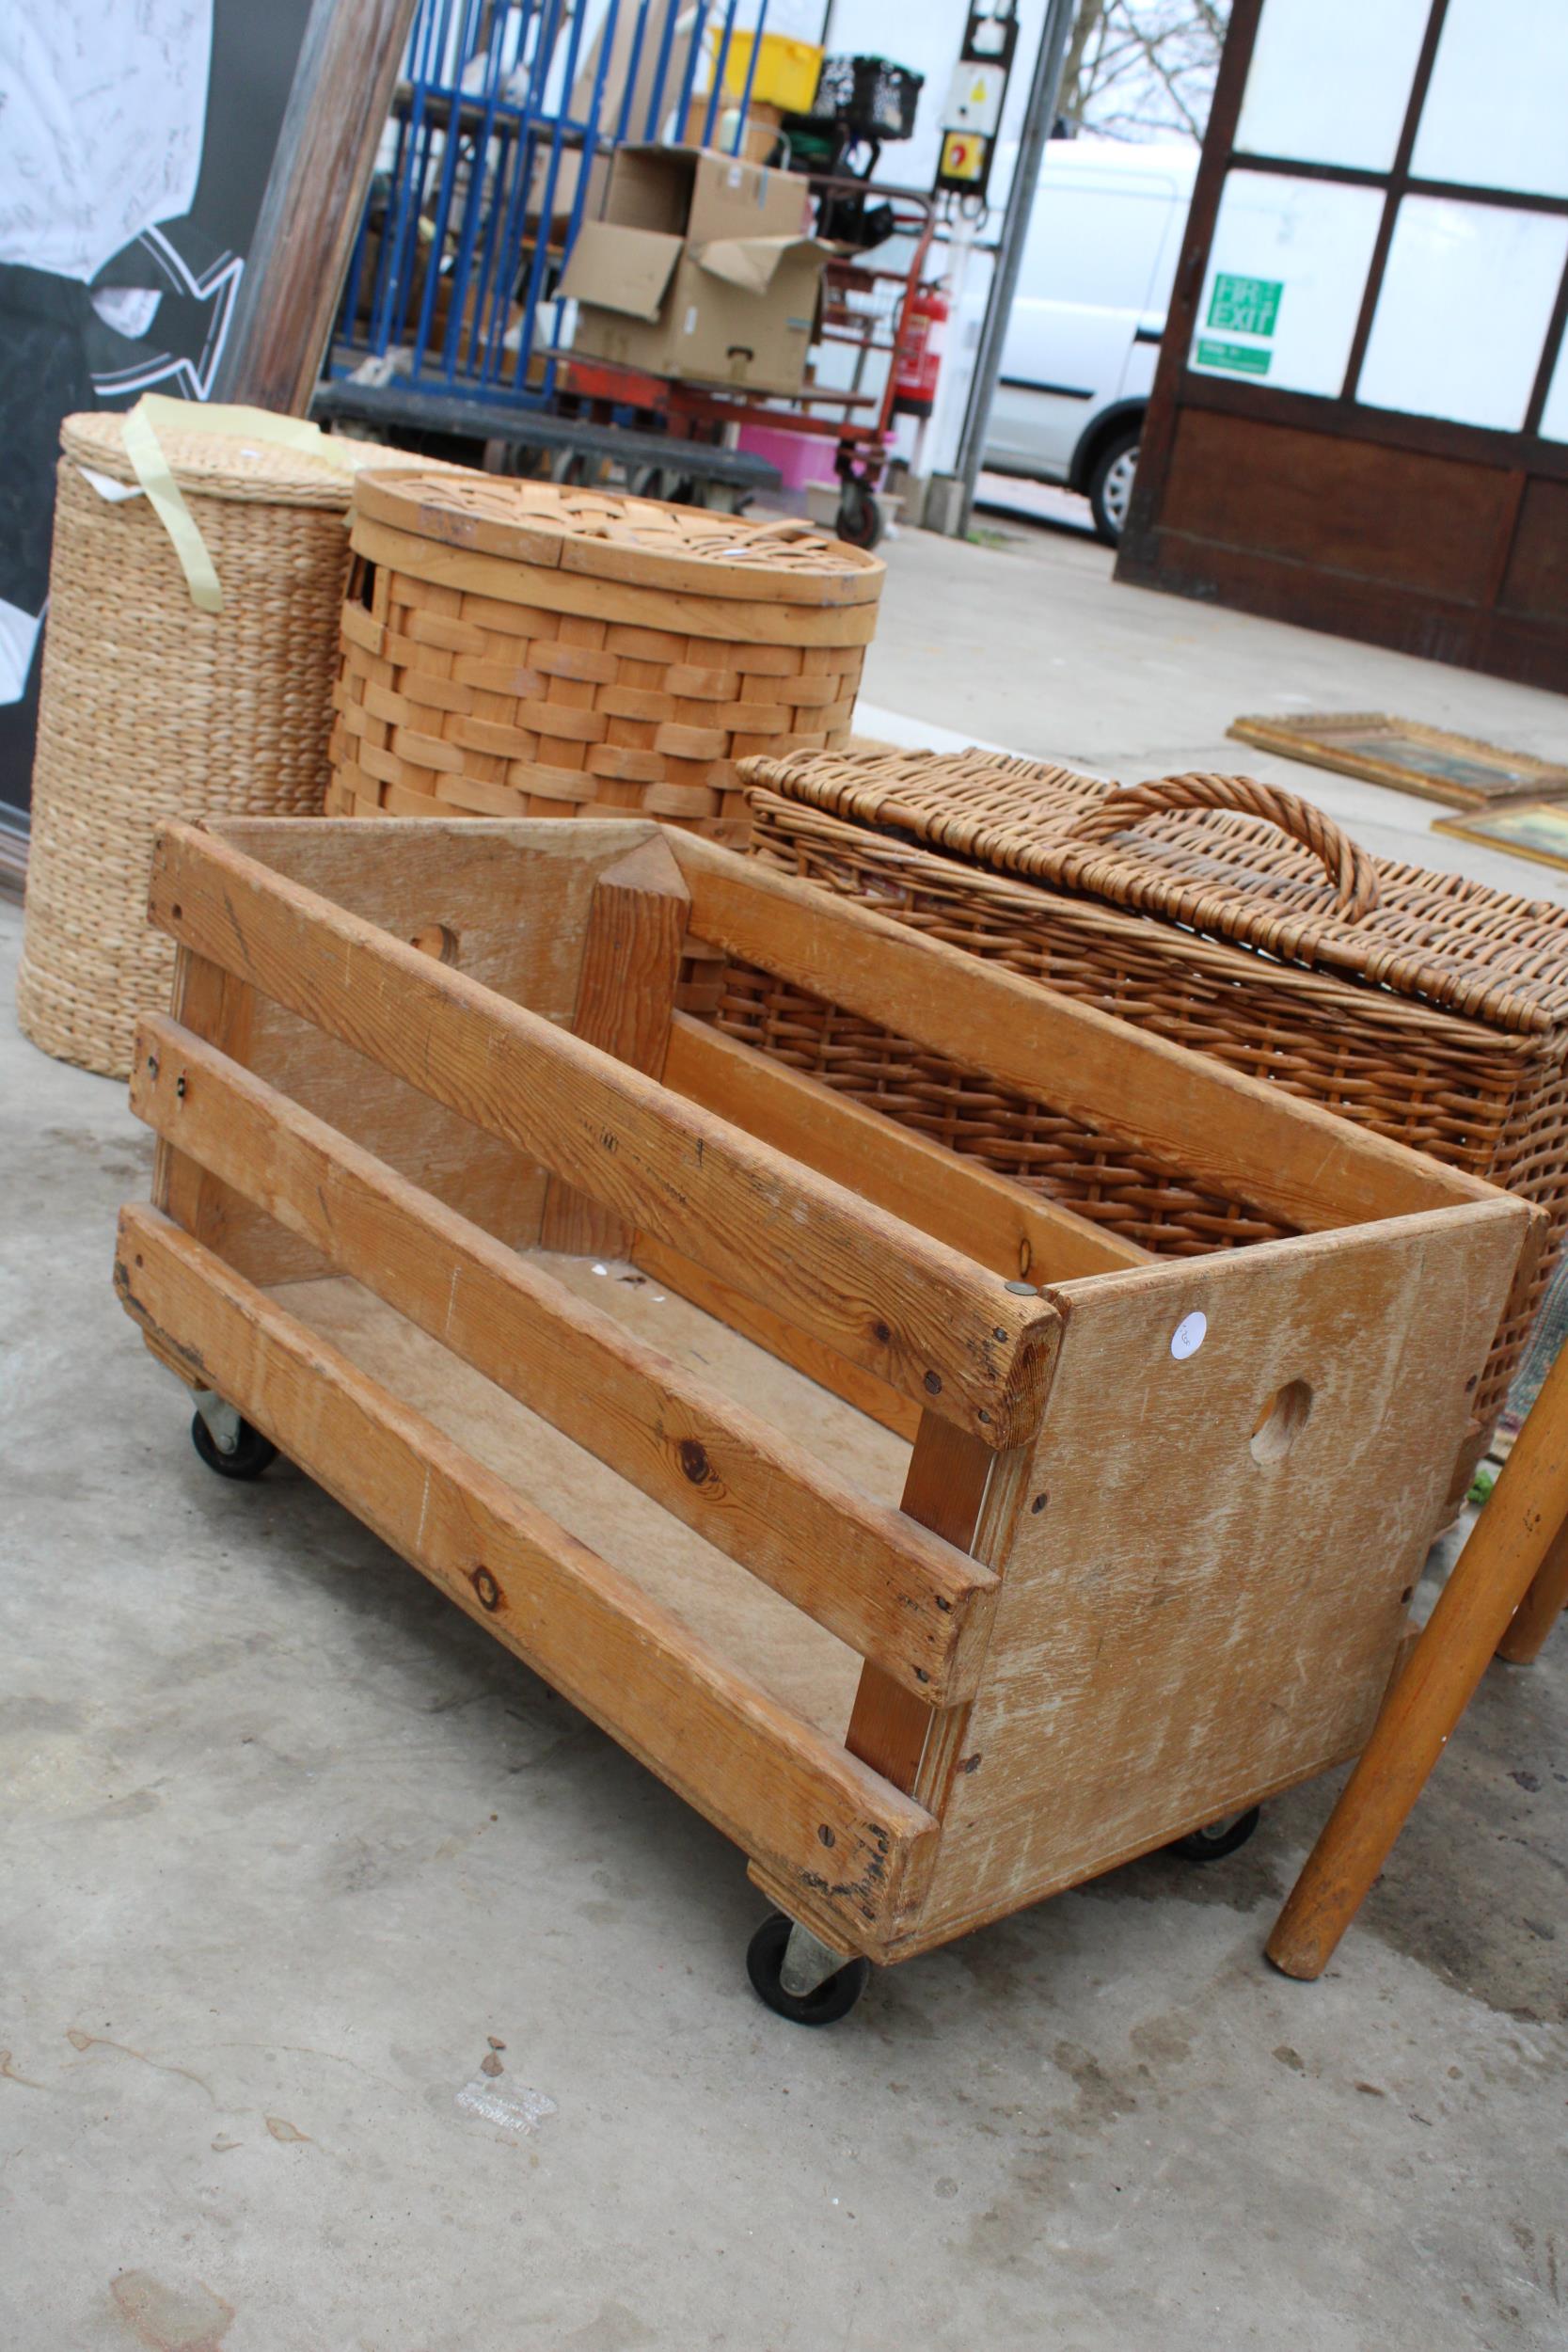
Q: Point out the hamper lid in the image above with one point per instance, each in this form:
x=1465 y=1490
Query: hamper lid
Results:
x=1227 y=857
x=216 y=465
x=640 y=541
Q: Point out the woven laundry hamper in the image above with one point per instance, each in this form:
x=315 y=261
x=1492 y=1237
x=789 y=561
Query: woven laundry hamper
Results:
x=152 y=708
x=512 y=649
x=1216 y=911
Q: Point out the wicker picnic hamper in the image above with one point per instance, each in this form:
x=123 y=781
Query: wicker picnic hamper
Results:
x=512 y=649
x=152 y=709
x=1216 y=911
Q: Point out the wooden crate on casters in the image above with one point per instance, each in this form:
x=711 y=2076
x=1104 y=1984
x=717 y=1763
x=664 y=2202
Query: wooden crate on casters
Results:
x=1060 y=1553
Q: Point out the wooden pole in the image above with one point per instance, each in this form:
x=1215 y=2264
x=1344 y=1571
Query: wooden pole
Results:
x=1520 y=1526
x=337 y=111
x=1542 y=1605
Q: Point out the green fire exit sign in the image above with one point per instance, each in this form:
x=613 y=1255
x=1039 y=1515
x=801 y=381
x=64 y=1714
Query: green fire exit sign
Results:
x=1245 y=306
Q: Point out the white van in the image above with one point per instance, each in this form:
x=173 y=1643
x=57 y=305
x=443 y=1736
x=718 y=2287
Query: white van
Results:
x=1078 y=361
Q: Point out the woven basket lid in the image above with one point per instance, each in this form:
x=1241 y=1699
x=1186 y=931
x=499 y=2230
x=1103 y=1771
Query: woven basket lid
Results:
x=639 y=541
x=211 y=465
x=1226 y=857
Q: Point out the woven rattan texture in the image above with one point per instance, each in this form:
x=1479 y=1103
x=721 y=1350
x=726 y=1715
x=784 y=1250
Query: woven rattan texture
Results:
x=1434 y=938
x=453 y=700
x=151 y=710
x=216 y=465
x=1491 y=1100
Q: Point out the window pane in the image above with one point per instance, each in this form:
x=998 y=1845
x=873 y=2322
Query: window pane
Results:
x=1462 y=313
x=1287 y=272
x=1497 y=110
x=1329 y=80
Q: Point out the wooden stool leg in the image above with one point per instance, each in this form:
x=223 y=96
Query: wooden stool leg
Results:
x=1520 y=1524
x=1541 y=1607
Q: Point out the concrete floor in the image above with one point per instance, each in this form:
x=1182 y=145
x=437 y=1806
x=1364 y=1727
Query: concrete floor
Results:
x=289 y=1841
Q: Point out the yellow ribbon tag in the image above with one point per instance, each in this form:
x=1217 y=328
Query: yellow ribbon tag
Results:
x=154 y=473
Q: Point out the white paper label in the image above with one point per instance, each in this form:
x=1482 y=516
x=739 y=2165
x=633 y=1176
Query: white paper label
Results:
x=1189 y=1335
x=689 y=324
x=106 y=486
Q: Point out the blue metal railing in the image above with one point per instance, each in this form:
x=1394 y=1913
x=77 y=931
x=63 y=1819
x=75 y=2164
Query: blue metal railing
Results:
x=451 y=280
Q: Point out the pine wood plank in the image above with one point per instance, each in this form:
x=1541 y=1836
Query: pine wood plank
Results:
x=997 y=1223
x=1198 y=1612
x=211 y=1004
x=506 y=908
x=764 y=1778
x=801 y=1349
x=870 y=1575
x=919 y=1316
x=973 y=1497
x=1235 y=1136
x=631 y=956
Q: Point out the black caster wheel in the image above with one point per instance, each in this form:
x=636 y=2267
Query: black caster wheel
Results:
x=825 y=2004
x=860 y=517
x=1220 y=1838
x=252 y=1455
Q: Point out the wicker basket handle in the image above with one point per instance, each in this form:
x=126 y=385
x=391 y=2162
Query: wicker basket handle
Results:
x=1349 y=868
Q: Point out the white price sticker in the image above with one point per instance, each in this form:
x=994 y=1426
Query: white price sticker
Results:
x=1189 y=1335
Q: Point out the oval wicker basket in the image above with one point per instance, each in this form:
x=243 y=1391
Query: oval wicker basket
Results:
x=1218 y=912
x=151 y=708
x=513 y=649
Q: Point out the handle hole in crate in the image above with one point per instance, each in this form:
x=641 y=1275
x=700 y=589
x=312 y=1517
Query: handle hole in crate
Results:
x=1281 y=1421
x=436 y=940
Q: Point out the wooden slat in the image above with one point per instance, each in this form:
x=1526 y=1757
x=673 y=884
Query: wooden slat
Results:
x=933 y=1325
x=759 y=1324
x=974 y=1498
x=867 y=1573
x=767 y=1780
x=956 y=1199
x=631 y=954
x=1236 y=1136
x=210 y=1003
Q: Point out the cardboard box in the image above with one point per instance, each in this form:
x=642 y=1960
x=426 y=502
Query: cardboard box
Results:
x=700 y=268
x=695 y=193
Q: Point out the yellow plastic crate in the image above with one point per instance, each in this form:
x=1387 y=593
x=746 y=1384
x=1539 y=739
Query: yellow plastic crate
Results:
x=787 y=74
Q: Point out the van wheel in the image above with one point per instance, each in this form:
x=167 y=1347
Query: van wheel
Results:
x=1111 y=485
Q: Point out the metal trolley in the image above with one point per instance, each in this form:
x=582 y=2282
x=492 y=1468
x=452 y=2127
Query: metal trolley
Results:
x=502 y=110
x=871 y=310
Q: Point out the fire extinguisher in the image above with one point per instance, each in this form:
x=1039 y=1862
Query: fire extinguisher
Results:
x=914 y=381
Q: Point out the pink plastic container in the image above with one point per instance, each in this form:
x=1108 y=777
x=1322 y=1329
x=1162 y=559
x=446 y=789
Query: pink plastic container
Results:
x=800 y=457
